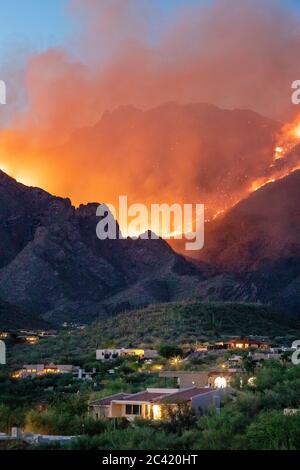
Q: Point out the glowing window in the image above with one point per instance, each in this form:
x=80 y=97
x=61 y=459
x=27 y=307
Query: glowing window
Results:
x=220 y=382
x=156 y=410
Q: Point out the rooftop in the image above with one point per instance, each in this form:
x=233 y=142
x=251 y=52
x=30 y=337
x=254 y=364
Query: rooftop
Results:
x=154 y=395
x=107 y=400
x=187 y=394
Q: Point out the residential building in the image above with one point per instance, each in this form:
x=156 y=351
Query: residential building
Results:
x=4 y=334
x=185 y=379
x=259 y=356
x=29 y=339
x=246 y=343
x=153 y=403
x=217 y=378
x=108 y=354
x=221 y=378
x=34 y=370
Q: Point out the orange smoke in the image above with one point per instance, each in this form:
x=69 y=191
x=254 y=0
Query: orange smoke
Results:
x=78 y=137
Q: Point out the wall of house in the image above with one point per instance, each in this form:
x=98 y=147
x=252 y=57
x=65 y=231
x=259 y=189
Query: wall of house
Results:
x=99 y=411
x=193 y=380
x=186 y=379
x=202 y=403
x=117 y=410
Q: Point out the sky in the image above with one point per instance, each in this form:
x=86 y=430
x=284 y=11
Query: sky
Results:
x=69 y=62
x=40 y=24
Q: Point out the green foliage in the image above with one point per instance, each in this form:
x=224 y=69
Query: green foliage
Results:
x=170 y=350
x=10 y=417
x=169 y=323
x=274 y=431
x=252 y=418
x=141 y=437
x=54 y=422
x=178 y=419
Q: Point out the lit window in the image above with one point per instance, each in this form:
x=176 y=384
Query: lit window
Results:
x=220 y=382
x=156 y=411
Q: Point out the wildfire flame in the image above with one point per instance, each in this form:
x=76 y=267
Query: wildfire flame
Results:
x=282 y=165
x=287 y=140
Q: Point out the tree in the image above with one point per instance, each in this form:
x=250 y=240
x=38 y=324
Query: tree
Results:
x=170 y=350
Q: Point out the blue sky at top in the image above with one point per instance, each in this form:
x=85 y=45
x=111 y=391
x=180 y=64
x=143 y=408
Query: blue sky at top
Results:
x=36 y=24
x=39 y=24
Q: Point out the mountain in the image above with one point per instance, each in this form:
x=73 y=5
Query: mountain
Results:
x=13 y=317
x=195 y=152
x=257 y=245
x=53 y=264
x=259 y=230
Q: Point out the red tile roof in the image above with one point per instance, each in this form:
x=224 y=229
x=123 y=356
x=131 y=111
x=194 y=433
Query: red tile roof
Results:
x=107 y=400
x=186 y=394
x=144 y=396
x=150 y=397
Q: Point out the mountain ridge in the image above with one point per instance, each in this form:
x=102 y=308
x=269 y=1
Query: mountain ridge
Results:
x=57 y=267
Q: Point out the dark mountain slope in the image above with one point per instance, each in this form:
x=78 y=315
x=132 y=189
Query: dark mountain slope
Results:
x=55 y=265
x=261 y=229
x=12 y=317
x=257 y=243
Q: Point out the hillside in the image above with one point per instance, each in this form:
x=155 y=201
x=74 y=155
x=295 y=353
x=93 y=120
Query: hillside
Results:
x=177 y=322
x=194 y=152
x=261 y=229
x=13 y=317
x=53 y=264
x=257 y=241
x=182 y=322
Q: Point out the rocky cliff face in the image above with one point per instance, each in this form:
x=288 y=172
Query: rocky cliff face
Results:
x=258 y=242
x=53 y=263
x=261 y=229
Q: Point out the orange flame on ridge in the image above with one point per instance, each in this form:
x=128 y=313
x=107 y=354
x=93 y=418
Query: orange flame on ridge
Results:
x=288 y=139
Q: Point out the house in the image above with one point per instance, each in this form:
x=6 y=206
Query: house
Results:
x=214 y=379
x=4 y=334
x=246 y=343
x=29 y=339
x=221 y=378
x=236 y=359
x=259 y=356
x=153 y=403
x=186 y=379
x=82 y=374
x=36 y=370
x=48 y=334
x=291 y=411
x=108 y=354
